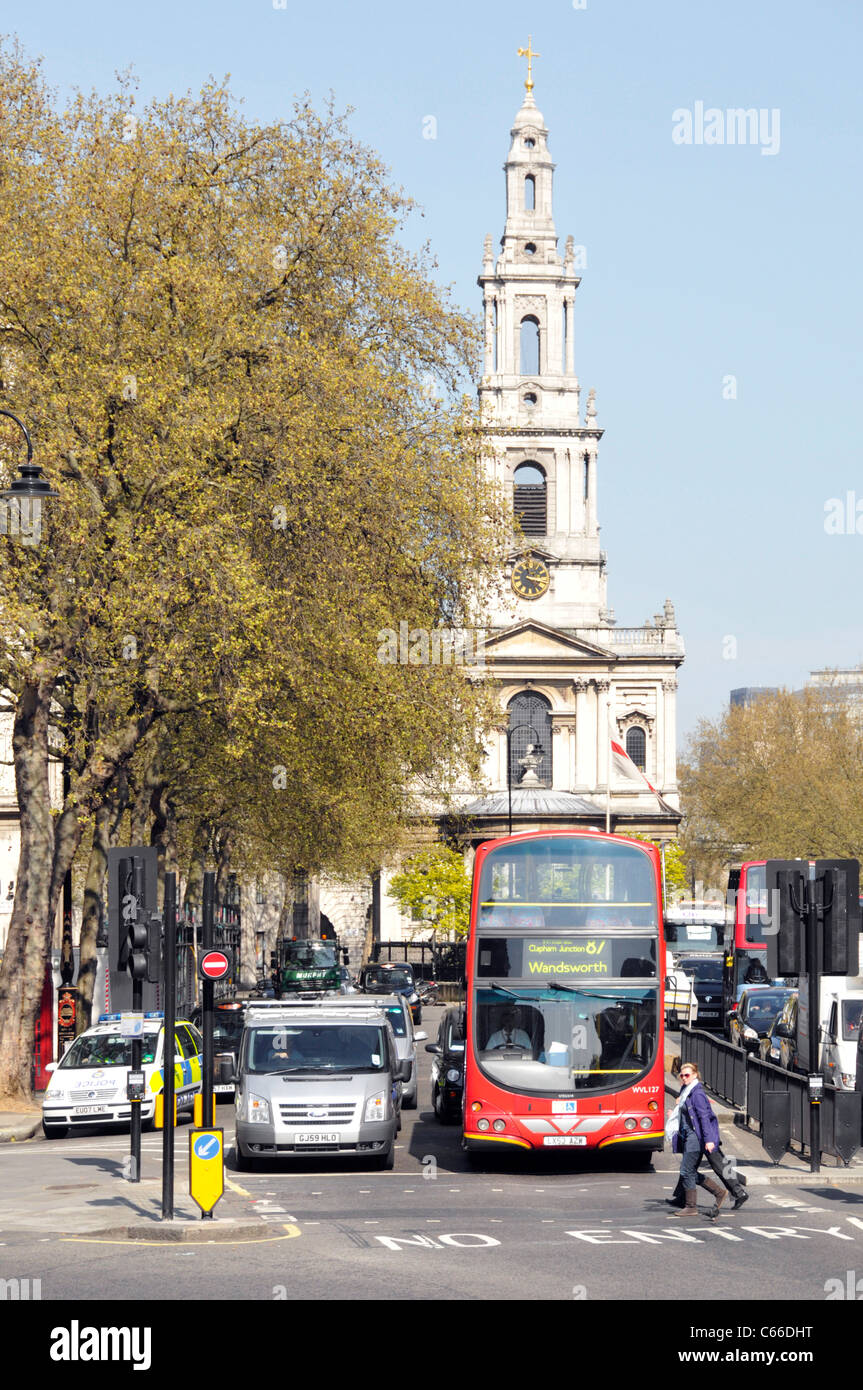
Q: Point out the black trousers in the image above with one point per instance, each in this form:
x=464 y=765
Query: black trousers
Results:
x=724 y=1170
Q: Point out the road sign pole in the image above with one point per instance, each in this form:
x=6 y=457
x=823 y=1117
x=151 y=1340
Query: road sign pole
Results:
x=209 y=905
x=137 y=1008
x=169 y=985
x=814 y=1003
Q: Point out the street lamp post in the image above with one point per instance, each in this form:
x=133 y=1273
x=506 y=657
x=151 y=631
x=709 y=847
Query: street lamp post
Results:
x=21 y=515
x=509 y=733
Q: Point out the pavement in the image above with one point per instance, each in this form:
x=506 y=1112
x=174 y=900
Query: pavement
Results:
x=18 y=1125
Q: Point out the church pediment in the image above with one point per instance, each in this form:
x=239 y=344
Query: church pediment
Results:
x=545 y=555
x=533 y=639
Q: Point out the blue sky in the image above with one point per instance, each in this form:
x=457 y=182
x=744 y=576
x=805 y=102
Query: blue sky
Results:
x=703 y=261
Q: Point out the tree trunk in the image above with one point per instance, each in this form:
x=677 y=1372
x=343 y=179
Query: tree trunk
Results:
x=107 y=823
x=22 y=973
x=197 y=860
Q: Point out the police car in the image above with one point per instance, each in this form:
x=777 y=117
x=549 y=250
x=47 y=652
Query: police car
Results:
x=88 y=1086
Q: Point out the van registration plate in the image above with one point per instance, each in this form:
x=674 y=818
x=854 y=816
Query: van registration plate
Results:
x=317 y=1136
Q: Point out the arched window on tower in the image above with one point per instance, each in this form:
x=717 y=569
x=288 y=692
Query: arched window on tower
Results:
x=529 y=193
x=636 y=747
x=530 y=500
x=529 y=721
x=529 y=354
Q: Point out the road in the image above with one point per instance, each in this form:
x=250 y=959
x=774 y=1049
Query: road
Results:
x=563 y=1228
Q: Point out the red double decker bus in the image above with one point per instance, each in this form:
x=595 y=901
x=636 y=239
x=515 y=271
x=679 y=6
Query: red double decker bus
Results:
x=565 y=976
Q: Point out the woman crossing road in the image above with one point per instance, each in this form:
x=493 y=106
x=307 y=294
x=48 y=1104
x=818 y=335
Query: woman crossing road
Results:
x=693 y=1130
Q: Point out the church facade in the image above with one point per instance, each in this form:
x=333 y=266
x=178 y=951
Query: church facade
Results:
x=587 y=735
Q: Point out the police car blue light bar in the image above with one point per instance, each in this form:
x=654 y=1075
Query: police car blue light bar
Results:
x=110 y=1018
x=157 y=1013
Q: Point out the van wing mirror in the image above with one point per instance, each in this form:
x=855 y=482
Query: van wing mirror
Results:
x=403 y=1071
x=433 y=1047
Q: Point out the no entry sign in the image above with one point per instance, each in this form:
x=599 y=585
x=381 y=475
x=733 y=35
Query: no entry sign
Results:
x=215 y=965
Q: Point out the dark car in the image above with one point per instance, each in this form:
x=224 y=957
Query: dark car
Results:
x=779 y=1047
x=392 y=979
x=706 y=975
x=227 y=1032
x=755 y=1014
x=448 y=1066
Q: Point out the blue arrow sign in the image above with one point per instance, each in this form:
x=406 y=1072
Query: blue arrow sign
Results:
x=207 y=1146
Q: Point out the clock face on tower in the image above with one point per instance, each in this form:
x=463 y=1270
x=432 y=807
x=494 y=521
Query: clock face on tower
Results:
x=530 y=578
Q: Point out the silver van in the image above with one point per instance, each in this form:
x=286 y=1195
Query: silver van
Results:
x=398 y=1010
x=318 y=1081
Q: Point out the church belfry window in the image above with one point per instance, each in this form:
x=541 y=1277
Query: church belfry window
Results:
x=529 y=364
x=530 y=193
x=530 y=499
x=529 y=722
x=636 y=747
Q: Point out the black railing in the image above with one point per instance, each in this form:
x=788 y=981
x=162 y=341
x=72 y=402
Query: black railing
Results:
x=734 y=1076
x=721 y=1064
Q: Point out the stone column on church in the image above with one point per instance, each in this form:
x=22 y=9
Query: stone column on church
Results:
x=563 y=476
x=488 y=367
x=669 y=692
x=603 y=737
x=570 y=335
x=590 y=508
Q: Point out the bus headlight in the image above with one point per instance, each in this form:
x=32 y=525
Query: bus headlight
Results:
x=499 y=1125
x=482 y=1124
x=453 y=1074
x=646 y=1122
x=376 y=1107
x=630 y=1123
x=257 y=1109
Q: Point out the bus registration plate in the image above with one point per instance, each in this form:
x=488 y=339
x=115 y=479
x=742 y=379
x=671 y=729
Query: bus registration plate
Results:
x=561 y=1139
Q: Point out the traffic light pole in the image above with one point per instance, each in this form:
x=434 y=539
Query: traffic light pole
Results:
x=170 y=991
x=209 y=906
x=814 y=1004
x=137 y=1008
x=209 y=914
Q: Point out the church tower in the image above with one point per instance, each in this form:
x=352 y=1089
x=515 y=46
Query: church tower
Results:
x=530 y=395
x=588 y=709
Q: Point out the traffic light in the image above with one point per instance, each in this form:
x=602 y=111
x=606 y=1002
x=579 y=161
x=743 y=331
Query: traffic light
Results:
x=136 y=956
x=840 y=898
x=785 y=882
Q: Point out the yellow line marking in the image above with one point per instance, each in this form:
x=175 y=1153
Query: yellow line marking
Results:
x=235 y=1187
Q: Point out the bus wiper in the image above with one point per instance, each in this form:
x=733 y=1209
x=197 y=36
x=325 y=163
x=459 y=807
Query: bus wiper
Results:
x=500 y=990
x=555 y=984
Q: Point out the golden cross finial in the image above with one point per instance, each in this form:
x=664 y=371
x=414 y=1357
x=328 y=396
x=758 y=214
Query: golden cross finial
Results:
x=529 y=54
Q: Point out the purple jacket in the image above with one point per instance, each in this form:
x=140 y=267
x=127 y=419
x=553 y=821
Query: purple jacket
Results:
x=704 y=1122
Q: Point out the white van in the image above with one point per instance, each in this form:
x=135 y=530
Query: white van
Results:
x=88 y=1086
x=681 y=1005
x=839 y=1028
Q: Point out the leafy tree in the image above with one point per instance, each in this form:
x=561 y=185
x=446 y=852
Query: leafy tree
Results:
x=222 y=351
x=433 y=887
x=675 y=867
x=781 y=778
